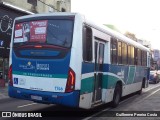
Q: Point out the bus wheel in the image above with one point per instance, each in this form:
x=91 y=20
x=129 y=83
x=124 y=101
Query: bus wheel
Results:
x=116 y=96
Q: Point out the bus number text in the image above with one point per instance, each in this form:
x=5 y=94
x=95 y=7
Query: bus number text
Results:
x=57 y=88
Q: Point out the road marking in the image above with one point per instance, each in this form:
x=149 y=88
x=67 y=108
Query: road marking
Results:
x=151 y=94
x=26 y=105
x=152 y=88
x=128 y=99
x=87 y=118
x=107 y=109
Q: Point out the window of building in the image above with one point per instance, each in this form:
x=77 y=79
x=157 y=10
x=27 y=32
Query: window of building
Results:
x=119 y=52
x=87 y=43
x=63 y=10
x=124 y=53
x=113 y=51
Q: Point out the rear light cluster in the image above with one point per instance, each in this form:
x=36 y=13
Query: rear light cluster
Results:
x=10 y=76
x=70 y=86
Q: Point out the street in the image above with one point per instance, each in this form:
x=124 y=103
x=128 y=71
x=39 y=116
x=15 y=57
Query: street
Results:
x=147 y=101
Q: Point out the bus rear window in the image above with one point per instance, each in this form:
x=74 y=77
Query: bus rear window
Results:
x=54 y=32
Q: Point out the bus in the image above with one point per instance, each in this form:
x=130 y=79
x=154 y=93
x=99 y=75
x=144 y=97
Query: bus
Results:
x=64 y=58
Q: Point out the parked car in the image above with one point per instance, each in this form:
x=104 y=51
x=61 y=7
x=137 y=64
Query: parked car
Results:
x=154 y=76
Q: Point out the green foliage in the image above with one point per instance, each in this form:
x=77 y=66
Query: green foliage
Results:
x=112 y=27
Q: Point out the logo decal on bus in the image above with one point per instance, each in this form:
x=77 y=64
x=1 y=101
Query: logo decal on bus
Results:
x=28 y=66
x=22 y=81
x=19 y=81
x=42 y=66
x=121 y=74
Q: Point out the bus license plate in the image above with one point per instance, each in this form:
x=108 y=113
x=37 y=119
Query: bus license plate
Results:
x=36 y=97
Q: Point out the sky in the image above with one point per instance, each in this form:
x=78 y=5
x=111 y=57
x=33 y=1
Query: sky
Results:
x=141 y=17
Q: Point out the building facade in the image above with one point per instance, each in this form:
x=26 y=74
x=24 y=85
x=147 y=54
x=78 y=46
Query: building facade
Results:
x=145 y=43
x=9 y=9
x=42 y=6
x=156 y=54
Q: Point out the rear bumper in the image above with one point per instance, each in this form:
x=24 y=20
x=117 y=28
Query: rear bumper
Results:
x=153 y=80
x=68 y=99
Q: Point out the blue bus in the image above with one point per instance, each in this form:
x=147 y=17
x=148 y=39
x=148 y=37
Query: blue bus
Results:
x=63 y=58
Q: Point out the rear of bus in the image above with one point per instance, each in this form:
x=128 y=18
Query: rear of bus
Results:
x=40 y=57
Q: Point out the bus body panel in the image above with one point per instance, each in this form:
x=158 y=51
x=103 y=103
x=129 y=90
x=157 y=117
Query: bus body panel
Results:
x=37 y=74
x=68 y=99
x=76 y=50
x=131 y=77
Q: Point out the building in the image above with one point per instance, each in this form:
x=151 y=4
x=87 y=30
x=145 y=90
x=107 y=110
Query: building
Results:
x=42 y=6
x=156 y=54
x=145 y=43
x=9 y=9
x=155 y=59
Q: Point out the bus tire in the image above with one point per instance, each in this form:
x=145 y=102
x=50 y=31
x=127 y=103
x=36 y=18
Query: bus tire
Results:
x=116 y=96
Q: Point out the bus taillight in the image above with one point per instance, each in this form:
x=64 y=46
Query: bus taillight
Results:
x=38 y=46
x=70 y=81
x=10 y=76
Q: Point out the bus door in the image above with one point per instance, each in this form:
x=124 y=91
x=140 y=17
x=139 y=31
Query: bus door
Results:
x=98 y=75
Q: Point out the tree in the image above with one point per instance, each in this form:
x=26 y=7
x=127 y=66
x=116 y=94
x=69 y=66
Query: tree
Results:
x=131 y=35
x=112 y=27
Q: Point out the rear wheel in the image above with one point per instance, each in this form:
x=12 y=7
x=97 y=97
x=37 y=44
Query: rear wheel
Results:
x=116 y=96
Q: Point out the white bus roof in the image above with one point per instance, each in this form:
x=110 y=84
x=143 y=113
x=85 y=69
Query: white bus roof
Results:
x=47 y=14
x=117 y=35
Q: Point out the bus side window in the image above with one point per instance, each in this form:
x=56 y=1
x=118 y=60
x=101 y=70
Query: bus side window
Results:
x=135 y=56
x=124 y=53
x=129 y=55
x=132 y=55
x=139 y=55
x=144 y=58
x=87 y=43
x=119 y=52
x=113 y=51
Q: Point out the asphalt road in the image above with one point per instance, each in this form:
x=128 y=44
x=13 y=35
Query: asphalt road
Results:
x=149 y=100
x=146 y=105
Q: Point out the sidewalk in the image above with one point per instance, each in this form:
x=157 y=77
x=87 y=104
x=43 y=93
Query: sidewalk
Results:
x=4 y=91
